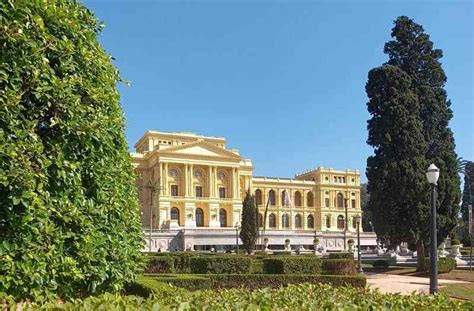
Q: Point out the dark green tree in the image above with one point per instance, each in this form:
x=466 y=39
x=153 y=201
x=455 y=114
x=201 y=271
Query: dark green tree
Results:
x=249 y=226
x=396 y=171
x=412 y=51
x=69 y=217
x=468 y=193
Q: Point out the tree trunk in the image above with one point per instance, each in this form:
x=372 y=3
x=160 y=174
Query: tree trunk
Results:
x=420 y=250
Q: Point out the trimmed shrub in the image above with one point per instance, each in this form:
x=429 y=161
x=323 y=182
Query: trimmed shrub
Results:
x=253 y=281
x=292 y=265
x=341 y=255
x=283 y=253
x=445 y=264
x=257 y=266
x=339 y=266
x=380 y=263
x=455 y=242
x=160 y=264
x=220 y=264
x=144 y=287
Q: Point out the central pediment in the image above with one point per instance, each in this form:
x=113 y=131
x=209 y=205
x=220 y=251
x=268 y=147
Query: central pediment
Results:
x=200 y=148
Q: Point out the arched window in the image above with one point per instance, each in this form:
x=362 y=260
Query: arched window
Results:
x=310 y=221
x=174 y=214
x=340 y=200
x=223 y=217
x=298 y=198
x=258 y=197
x=271 y=197
x=298 y=223
x=328 y=221
x=310 y=199
x=340 y=222
x=284 y=200
x=199 y=217
x=260 y=220
x=272 y=223
x=285 y=221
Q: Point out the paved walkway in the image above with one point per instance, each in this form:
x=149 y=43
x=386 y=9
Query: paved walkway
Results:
x=390 y=283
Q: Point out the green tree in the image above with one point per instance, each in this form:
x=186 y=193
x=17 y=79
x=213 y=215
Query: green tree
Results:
x=249 y=227
x=69 y=216
x=412 y=52
x=468 y=192
x=396 y=171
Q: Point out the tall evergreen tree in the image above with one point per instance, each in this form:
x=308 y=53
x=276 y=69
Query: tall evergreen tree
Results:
x=396 y=171
x=468 y=193
x=69 y=217
x=249 y=228
x=413 y=52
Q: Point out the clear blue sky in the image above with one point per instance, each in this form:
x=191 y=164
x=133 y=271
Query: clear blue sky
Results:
x=283 y=81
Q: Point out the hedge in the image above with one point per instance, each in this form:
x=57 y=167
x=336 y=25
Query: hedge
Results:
x=220 y=264
x=445 y=264
x=341 y=255
x=255 y=281
x=163 y=264
x=339 y=266
x=292 y=265
x=381 y=263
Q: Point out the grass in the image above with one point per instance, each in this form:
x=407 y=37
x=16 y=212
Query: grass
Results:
x=459 y=291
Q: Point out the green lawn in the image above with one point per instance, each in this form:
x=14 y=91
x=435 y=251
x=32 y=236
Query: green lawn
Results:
x=459 y=291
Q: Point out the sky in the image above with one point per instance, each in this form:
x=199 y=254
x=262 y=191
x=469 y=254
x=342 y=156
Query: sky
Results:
x=283 y=81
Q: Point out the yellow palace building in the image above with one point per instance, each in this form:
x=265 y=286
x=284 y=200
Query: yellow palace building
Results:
x=191 y=189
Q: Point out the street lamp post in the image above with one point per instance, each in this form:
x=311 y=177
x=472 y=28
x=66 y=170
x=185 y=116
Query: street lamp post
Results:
x=153 y=187
x=345 y=223
x=432 y=174
x=359 y=263
x=237 y=238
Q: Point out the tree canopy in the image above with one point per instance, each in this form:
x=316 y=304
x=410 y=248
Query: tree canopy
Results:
x=69 y=217
x=249 y=229
x=407 y=194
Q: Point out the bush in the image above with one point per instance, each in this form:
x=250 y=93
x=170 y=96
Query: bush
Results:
x=292 y=265
x=455 y=242
x=339 y=266
x=350 y=241
x=160 y=264
x=256 y=266
x=69 y=215
x=220 y=264
x=282 y=253
x=341 y=255
x=445 y=264
x=380 y=263
x=253 y=281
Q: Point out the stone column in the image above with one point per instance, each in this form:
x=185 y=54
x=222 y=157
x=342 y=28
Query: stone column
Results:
x=191 y=188
x=210 y=181
x=214 y=182
x=165 y=179
x=186 y=180
x=235 y=182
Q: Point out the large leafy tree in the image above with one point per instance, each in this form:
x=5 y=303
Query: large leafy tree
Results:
x=249 y=229
x=69 y=217
x=396 y=171
x=411 y=51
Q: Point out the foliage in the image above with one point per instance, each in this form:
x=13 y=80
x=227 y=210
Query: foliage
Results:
x=220 y=264
x=315 y=241
x=249 y=230
x=381 y=263
x=409 y=130
x=341 y=255
x=281 y=253
x=69 y=217
x=339 y=266
x=445 y=264
x=455 y=242
x=163 y=264
x=350 y=241
x=292 y=265
x=257 y=266
x=292 y=297
x=468 y=192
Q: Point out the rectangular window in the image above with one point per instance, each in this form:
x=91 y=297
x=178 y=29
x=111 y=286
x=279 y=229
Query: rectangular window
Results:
x=198 y=191
x=353 y=203
x=326 y=202
x=174 y=190
x=222 y=192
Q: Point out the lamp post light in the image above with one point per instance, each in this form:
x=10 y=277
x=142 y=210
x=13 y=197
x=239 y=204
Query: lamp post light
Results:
x=432 y=174
x=237 y=227
x=357 y=220
x=345 y=223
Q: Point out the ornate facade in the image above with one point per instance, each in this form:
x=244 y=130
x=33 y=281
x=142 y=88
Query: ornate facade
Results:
x=191 y=182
